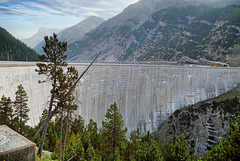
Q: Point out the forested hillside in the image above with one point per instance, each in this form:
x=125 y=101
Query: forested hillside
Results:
x=13 y=49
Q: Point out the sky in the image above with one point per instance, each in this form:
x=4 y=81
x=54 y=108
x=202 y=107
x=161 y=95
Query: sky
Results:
x=23 y=18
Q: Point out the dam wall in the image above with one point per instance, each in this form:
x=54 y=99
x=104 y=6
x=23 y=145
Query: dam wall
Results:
x=11 y=75
x=145 y=94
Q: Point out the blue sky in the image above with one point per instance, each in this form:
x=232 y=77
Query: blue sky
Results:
x=23 y=18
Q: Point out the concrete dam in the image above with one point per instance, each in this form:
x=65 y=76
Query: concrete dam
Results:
x=145 y=94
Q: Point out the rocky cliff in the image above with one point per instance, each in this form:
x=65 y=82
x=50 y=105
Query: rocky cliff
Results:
x=204 y=124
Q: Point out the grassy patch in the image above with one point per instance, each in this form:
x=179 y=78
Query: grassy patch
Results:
x=229 y=95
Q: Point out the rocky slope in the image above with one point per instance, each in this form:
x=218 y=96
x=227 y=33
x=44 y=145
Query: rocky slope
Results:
x=212 y=35
x=203 y=124
x=149 y=30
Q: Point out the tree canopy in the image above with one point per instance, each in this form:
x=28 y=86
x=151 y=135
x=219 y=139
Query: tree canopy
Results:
x=21 y=108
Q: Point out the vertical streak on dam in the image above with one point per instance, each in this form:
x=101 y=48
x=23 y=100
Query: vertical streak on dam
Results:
x=145 y=94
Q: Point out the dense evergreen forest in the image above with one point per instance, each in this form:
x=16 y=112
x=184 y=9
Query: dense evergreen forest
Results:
x=14 y=50
x=109 y=142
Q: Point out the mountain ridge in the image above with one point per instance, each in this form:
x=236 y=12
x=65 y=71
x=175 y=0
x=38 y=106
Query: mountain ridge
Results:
x=12 y=49
x=77 y=31
x=74 y=32
x=115 y=37
x=38 y=37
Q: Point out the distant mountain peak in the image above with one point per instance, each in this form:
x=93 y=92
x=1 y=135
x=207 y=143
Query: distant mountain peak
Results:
x=89 y=23
x=39 y=36
x=93 y=20
x=94 y=17
x=75 y=32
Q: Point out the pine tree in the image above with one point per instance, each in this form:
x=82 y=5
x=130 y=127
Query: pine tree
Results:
x=181 y=152
x=134 y=137
x=91 y=154
x=43 y=117
x=92 y=132
x=169 y=151
x=53 y=62
x=113 y=133
x=21 y=108
x=74 y=149
x=6 y=111
x=147 y=148
x=52 y=66
x=77 y=125
x=177 y=151
x=65 y=99
x=42 y=67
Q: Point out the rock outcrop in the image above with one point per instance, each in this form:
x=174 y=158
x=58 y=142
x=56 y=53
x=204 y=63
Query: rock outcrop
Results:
x=203 y=124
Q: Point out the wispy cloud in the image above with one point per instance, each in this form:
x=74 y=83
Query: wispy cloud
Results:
x=54 y=12
x=72 y=8
x=20 y=10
